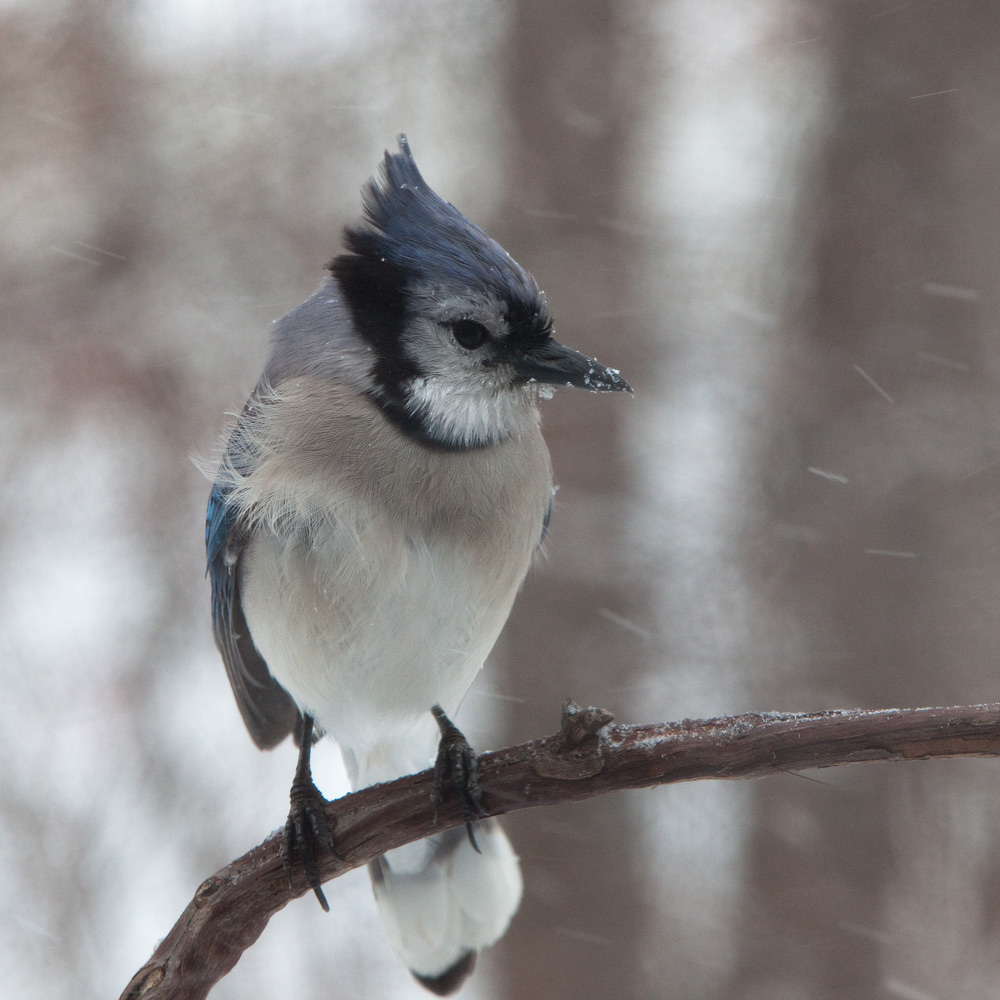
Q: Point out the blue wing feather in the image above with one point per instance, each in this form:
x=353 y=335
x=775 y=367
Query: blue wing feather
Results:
x=218 y=519
x=269 y=712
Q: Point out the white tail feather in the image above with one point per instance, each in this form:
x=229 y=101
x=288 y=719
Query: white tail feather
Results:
x=440 y=900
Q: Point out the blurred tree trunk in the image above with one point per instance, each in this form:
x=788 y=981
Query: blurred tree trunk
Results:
x=884 y=387
x=573 y=103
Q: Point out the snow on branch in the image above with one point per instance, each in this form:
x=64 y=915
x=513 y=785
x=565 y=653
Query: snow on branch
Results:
x=587 y=757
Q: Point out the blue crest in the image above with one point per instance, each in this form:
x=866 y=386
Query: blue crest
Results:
x=410 y=237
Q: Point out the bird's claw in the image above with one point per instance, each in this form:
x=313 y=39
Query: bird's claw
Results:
x=458 y=765
x=306 y=830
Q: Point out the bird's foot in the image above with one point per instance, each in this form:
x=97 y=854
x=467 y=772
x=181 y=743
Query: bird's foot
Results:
x=457 y=765
x=306 y=833
x=306 y=829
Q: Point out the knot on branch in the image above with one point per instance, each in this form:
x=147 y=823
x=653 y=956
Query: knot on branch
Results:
x=207 y=889
x=578 y=725
x=575 y=753
x=145 y=980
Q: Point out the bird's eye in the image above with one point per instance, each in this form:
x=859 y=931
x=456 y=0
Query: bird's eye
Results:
x=469 y=334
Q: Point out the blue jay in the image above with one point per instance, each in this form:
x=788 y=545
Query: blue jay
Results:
x=373 y=518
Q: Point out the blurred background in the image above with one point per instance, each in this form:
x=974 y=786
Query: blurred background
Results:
x=779 y=218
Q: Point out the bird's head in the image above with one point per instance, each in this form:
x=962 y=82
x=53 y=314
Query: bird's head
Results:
x=459 y=333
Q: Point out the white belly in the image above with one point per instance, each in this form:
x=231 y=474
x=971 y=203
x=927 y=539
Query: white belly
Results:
x=371 y=629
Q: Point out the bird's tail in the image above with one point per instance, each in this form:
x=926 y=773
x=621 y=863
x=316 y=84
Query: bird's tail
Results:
x=442 y=901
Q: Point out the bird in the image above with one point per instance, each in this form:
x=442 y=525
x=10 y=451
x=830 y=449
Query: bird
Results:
x=377 y=507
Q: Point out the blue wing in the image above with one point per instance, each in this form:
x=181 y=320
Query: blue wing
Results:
x=267 y=709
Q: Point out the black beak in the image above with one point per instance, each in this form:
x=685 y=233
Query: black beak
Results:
x=553 y=364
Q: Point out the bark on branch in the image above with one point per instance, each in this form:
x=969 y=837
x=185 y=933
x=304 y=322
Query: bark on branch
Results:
x=586 y=758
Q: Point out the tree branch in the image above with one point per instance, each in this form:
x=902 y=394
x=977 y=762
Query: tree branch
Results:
x=231 y=908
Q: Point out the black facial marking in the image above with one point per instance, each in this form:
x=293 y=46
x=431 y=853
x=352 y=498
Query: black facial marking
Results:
x=528 y=325
x=375 y=291
x=375 y=294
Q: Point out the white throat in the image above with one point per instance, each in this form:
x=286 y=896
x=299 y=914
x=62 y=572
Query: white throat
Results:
x=474 y=415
